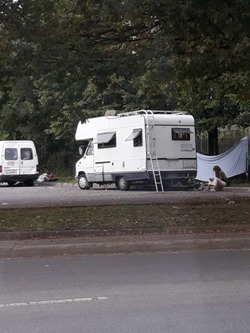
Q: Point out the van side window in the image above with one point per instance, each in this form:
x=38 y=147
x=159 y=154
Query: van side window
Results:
x=26 y=154
x=106 y=140
x=181 y=134
x=10 y=154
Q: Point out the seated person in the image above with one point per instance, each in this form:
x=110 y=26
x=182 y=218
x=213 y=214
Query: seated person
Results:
x=219 y=181
x=46 y=177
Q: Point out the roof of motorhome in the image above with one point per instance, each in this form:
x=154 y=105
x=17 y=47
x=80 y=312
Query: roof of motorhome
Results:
x=150 y=112
x=88 y=129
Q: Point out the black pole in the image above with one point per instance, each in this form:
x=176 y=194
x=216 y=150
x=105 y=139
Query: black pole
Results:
x=213 y=146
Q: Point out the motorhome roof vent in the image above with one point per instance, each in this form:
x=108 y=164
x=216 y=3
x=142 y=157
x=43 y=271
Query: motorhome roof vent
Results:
x=110 y=113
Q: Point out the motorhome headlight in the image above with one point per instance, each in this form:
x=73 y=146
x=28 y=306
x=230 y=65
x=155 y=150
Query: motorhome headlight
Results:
x=189 y=164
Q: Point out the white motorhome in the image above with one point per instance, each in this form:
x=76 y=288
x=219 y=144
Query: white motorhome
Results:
x=144 y=146
x=18 y=162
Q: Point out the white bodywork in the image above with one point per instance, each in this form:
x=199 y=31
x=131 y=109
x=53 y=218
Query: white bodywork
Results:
x=18 y=162
x=127 y=158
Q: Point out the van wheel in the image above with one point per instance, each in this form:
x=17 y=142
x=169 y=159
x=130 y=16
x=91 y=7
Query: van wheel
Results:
x=123 y=184
x=11 y=184
x=83 y=182
x=29 y=182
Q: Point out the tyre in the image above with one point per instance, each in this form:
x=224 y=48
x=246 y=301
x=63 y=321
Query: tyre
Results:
x=83 y=182
x=11 y=183
x=123 y=184
x=29 y=182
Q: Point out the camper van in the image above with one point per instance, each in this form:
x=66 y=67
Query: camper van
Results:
x=138 y=147
x=18 y=162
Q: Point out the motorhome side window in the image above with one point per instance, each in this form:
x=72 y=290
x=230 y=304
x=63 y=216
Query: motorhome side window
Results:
x=106 y=140
x=182 y=134
x=136 y=136
x=26 y=154
x=10 y=154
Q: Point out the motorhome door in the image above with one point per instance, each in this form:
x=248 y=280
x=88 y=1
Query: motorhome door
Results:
x=88 y=161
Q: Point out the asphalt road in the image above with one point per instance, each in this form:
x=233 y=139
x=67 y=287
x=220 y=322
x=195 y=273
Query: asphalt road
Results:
x=193 y=292
x=70 y=195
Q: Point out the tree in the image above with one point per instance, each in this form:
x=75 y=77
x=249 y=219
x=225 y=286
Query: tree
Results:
x=208 y=42
x=62 y=61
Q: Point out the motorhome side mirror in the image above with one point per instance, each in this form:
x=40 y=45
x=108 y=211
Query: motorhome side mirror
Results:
x=82 y=150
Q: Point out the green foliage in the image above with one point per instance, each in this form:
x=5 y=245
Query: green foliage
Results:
x=63 y=61
x=210 y=52
x=3 y=136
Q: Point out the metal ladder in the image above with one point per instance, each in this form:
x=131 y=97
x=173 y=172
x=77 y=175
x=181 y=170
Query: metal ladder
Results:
x=151 y=146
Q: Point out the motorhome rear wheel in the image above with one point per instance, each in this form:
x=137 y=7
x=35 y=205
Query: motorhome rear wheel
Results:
x=123 y=184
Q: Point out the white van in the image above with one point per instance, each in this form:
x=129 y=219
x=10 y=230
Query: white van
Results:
x=18 y=162
x=144 y=146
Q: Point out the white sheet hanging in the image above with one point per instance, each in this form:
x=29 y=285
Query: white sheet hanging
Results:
x=233 y=162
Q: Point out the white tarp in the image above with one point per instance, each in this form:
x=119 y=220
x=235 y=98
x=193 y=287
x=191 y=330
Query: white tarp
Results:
x=233 y=162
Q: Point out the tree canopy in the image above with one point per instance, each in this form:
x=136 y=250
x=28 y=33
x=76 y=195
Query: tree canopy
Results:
x=65 y=60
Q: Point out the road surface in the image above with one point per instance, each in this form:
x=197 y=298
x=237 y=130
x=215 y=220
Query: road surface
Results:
x=69 y=195
x=194 y=292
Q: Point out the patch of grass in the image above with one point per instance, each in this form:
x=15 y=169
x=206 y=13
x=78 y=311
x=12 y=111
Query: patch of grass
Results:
x=125 y=217
x=66 y=179
x=235 y=183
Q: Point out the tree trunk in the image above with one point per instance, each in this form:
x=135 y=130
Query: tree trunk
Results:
x=213 y=146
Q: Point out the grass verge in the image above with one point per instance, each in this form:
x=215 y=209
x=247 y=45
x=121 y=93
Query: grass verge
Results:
x=125 y=216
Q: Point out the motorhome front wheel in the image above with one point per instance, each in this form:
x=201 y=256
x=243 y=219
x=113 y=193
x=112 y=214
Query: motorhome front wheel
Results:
x=83 y=182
